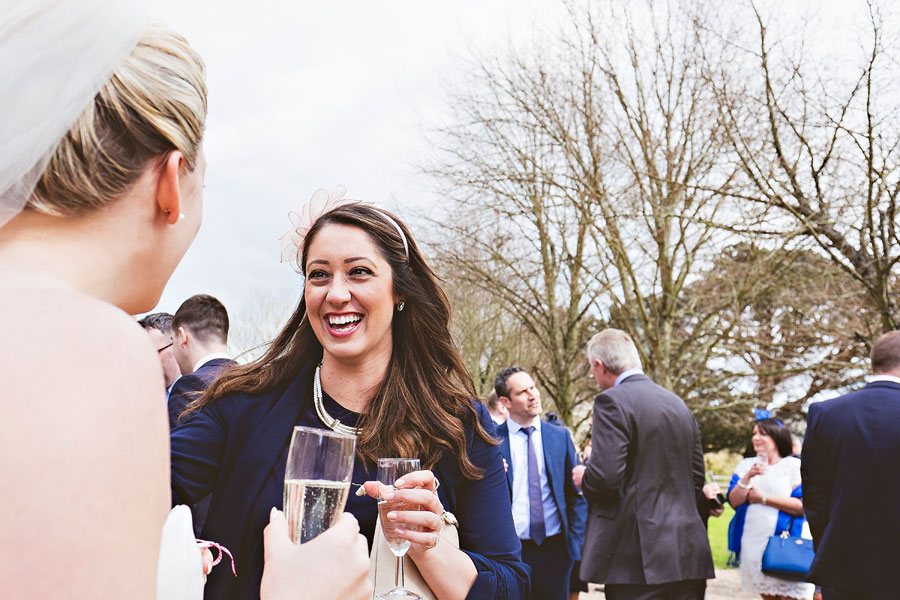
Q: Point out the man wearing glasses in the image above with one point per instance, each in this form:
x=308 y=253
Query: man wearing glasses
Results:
x=159 y=327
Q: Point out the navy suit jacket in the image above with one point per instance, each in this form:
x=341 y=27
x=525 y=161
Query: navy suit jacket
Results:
x=850 y=461
x=559 y=460
x=187 y=387
x=233 y=448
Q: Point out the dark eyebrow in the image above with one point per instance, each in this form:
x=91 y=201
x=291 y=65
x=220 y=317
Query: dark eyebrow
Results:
x=320 y=261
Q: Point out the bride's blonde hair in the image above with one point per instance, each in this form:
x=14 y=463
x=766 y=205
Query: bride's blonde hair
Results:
x=155 y=102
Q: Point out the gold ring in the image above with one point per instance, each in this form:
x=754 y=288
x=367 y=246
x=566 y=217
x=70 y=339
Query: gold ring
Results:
x=436 y=538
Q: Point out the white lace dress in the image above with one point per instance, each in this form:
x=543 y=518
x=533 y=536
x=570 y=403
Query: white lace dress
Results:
x=779 y=480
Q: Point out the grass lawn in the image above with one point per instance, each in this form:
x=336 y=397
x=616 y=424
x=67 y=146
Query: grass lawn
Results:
x=718 y=537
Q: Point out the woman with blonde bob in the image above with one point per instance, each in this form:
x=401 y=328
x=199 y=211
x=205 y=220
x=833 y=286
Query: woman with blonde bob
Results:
x=101 y=177
x=368 y=346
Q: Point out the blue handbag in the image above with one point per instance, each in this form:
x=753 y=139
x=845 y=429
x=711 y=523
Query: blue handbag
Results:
x=788 y=556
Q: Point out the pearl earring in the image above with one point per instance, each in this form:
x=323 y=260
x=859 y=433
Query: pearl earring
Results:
x=400 y=306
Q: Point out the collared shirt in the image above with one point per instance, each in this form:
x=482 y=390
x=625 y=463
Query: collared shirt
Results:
x=627 y=373
x=169 y=389
x=210 y=357
x=518 y=452
x=891 y=378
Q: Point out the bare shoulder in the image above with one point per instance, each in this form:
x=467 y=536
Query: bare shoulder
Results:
x=83 y=414
x=80 y=340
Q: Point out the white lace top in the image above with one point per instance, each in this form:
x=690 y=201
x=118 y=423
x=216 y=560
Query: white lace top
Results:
x=779 y=480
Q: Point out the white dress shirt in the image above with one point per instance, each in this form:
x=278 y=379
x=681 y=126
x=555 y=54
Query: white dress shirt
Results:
x=518 y=452
x=874 y=378
x=626 y=374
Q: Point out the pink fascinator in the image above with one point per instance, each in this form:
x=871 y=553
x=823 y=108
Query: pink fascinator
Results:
x=322 y=202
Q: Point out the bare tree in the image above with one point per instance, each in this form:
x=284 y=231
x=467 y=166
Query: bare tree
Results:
x=817 y=139
x=257 y=323
x=489 y=336
x=802 y=332
x=587 y=173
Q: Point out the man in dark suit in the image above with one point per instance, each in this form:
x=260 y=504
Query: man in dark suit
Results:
x=200 y=336
x=549 y=512
x=849 y=470
x=645 y=538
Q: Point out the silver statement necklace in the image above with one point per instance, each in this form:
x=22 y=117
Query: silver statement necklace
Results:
x=328 y=420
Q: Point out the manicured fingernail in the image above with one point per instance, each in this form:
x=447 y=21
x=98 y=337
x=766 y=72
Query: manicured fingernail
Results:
x=400 y=531
x=400 y=482
x=388 y=495
x=272 y=513
x=392 y=515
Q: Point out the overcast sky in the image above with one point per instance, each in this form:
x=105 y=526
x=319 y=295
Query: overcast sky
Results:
x=304 y=95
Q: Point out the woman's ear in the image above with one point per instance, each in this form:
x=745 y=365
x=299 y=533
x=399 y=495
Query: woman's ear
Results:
x=168 y=192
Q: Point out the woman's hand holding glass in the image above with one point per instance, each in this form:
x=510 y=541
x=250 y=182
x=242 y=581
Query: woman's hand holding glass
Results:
x=755 y=469
x=333 y=565
x=422 y=525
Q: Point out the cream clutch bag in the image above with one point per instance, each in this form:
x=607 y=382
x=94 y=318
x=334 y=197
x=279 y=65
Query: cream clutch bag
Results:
x=383 y=563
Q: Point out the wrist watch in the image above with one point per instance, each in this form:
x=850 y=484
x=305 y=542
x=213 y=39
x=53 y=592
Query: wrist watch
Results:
x=765 y=499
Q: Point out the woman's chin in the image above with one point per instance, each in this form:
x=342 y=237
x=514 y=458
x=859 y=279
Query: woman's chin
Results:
x=344 y=353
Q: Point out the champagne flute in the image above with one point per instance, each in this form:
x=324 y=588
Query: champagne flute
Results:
x=389 y=471
x=762 y=459
x=316 y=480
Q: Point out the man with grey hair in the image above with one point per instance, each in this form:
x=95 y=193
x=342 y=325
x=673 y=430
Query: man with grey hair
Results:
x=643 y=480
x=159 y=327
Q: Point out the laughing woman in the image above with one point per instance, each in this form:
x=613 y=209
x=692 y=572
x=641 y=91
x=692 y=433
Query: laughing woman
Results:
x=373 y=325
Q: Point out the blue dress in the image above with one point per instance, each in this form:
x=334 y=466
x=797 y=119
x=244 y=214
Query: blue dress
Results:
x=236 y=449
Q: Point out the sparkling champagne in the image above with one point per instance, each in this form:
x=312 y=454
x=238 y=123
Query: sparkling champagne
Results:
x=398 y=545
x=312 y=506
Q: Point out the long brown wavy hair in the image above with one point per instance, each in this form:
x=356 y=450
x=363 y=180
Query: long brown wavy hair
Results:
x=426 y=398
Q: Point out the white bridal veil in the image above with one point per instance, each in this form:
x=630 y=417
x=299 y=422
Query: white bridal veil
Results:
x=55 y=55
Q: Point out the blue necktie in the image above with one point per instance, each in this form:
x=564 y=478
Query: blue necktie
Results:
x=536 y=506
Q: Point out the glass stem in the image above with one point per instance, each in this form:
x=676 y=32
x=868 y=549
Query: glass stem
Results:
x=398 y=574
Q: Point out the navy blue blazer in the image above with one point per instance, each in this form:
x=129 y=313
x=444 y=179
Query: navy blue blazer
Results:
x=560 y=458
x=187 y=387
x=236 y=446
x=850 y=461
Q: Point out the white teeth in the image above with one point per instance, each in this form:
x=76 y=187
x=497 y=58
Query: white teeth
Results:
x=344 y=319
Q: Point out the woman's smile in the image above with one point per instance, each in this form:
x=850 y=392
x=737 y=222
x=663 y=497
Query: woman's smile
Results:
x=349 y=294
x=343 y=324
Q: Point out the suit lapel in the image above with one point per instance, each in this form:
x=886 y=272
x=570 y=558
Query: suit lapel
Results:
x=503 y=432
x=550 y=443
x=263 y=449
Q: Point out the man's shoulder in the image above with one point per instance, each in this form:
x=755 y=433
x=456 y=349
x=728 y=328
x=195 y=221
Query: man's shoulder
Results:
x=554 y=429
x=857 y=400
x=637 y=388
x=554 y=434
x=188 y=383
x=217 y=363
x=212 y=369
